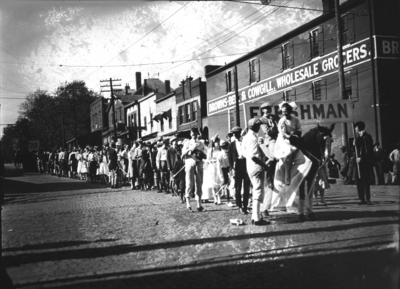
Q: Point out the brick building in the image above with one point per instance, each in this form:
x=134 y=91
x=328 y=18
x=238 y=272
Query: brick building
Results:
x=191 y=98
x=302 y=66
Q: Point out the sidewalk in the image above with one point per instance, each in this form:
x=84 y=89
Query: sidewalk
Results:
x=71 y=234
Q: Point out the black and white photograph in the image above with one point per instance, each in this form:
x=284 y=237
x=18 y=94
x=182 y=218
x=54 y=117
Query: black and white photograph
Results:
x=200 y=144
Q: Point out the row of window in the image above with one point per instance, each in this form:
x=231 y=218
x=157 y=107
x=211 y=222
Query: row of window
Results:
x=316 y=88
x=188 y=112
x=133 y=122
x=316 y=41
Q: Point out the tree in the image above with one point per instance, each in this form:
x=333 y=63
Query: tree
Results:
x=20 y=130
x=74 y=99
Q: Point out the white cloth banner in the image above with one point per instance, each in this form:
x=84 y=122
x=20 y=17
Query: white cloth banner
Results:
x=283 y=195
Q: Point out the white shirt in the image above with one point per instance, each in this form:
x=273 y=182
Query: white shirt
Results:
x=251 y=149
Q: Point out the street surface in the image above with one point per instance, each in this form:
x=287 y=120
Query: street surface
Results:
x=72 y=234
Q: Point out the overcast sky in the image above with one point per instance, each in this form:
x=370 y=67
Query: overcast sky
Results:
x=45 y=43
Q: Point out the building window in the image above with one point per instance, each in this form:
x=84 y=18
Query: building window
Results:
x=188 y=112
x=145 y=123
x=134 y=119
x=317 y=90
x=347 y=85
x=151 y=122
x=345 y=29
x=286 y=95
x=170 y=121
x=162 y=124
x=194 y=110
x=181 y=114
x=253 y=70
x=229 y=82
x=314 y=43
x=285 y=56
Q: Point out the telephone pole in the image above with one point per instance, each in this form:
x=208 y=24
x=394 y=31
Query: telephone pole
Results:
x=112 y=90
x=339 y=45
x=235 y=79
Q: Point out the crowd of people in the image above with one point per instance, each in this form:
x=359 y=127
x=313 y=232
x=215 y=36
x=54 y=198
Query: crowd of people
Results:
x=238 y=167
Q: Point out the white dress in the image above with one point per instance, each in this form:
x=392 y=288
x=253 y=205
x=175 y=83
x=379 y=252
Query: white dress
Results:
x=283 y=148
x=211 y=177
x=103 y=170
x=84 y=169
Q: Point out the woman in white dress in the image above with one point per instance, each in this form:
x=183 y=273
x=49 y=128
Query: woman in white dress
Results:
x=289 y=128
x=103 y=170
x=130 y=166
x=84 y=167
x=80 y=163
x=212 y=181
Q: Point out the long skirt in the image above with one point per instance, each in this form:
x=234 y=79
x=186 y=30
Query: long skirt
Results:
x=283 y=148
x=211 y=180
x=103 y=170
x=83 y=168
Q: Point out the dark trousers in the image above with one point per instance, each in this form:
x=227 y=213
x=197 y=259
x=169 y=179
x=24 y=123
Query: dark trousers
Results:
x=242 y=176
x=225 y=172
x=363 y=183
x=271 y=172
x=379 y=172
x=164 y=175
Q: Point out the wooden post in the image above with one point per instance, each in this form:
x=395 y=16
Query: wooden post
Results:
x=355 y=149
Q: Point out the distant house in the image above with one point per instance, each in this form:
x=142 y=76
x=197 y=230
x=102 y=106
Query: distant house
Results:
x=191 y=111
x=140 y=113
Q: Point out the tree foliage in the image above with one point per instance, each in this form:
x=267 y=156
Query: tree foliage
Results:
x=42 y=114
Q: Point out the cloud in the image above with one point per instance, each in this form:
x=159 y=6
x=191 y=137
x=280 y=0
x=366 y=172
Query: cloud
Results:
x=85 y=36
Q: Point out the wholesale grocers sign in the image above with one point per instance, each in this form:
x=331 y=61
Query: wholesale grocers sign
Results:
x=354 y=54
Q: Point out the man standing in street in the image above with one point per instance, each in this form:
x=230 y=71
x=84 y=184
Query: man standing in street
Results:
x=193 y=152
x=112 y=164
x=255 y=163
x=162 y=166
x=172 y=160
x=395 y=158
x=378 y=163
x=270 y=128
x=365 y=158
x=237 y=164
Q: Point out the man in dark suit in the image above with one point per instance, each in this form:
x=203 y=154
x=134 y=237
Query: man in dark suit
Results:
x=237 y=164
x=365 y=160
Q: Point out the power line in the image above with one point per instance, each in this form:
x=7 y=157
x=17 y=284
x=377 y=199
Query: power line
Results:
x=151 y=63
x=141 y=38
x=227 y=39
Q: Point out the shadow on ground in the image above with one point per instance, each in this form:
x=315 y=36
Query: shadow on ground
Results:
x=345 y=270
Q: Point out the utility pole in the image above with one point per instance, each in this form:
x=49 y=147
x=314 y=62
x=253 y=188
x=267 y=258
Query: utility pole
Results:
x=339 y=45
x=62 y=119
x=112 y=101
x=372 y=57
x=235 y=79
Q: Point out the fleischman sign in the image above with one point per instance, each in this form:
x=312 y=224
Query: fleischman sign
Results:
x=312 y=112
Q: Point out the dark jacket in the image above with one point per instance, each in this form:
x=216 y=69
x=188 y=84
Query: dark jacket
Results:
x=233 y=155
x=365 y=149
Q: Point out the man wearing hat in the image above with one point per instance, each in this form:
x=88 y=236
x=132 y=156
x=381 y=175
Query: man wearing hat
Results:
x=137 y=157
x=162 y=166
x=378 y=163
x=223 y=167
x=237 y=164
x=193 y=152
x=172 y=159
x=269 y=126
x=255 y=164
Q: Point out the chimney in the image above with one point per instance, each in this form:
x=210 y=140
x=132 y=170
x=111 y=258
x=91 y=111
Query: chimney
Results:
x=167 y=87
x=210 y=68
x=328 y=5
x=145 y=88
x=138 y=80
x=127 y=87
